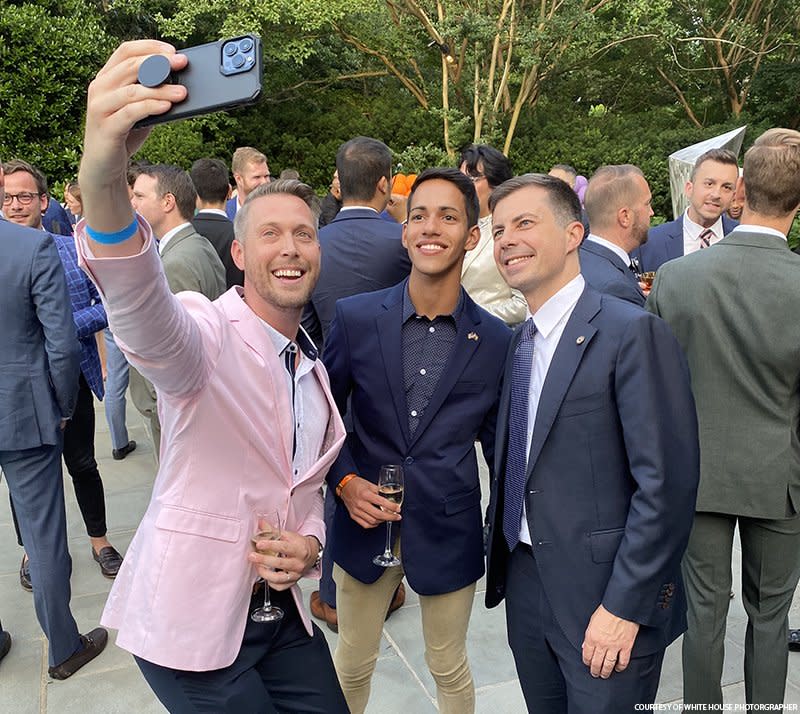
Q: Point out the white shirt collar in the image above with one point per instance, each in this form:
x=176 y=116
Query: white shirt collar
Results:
x=360 y=208
x=613 y=247
x=693 y=230
x=752 y=228
x=553 y=311
x=216 y=211
x=169 y=235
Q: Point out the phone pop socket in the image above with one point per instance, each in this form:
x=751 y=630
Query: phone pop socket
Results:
x=154 y=71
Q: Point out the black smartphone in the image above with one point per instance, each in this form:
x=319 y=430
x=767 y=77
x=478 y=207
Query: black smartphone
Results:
x=219 y=75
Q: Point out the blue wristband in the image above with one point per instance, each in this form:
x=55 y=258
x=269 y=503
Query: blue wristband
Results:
x=111 y=238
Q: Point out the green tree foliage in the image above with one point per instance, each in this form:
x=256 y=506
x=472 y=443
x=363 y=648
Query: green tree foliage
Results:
x=49 y=52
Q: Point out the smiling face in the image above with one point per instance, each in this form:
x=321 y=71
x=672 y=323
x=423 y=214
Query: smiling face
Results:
x=30 y=214
x=438 y=232
x=280 y=255
x=711 y=191
x=535 y=250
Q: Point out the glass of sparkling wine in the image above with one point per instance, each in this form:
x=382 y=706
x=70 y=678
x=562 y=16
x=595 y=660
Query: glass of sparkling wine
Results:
x=390 y=486
x=268 y=527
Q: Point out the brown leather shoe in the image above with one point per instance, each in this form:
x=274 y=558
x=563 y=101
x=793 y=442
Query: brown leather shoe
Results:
x=109 y=560
x=323 y=611
x=93 y=642
x=398 y=600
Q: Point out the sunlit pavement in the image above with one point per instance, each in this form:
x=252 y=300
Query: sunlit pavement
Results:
x=402 y=684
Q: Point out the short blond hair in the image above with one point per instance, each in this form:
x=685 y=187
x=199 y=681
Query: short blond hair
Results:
x=772 y=173
x=245 y=155
x=292 y=187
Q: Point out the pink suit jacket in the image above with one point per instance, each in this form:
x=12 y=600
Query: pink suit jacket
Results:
x=181 y=598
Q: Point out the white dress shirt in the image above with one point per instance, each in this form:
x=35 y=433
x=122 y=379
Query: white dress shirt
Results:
x=613 y=247
x=749 y=228
x=550 y=320
x=311 y=411
x=692 y=231
x=162 y=242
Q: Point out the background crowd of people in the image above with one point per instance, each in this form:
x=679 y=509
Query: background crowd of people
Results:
x=635 y=392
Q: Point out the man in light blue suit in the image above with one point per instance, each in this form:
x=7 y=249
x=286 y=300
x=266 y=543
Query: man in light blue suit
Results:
x=710 y=191
x=596 y=469
x=39 y=367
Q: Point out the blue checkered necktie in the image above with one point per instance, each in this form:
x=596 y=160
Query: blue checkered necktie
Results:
x=517 y=457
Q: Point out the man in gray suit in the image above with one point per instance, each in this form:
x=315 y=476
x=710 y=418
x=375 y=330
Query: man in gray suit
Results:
x=39 y=367
x=734 y=310
x=165 y=197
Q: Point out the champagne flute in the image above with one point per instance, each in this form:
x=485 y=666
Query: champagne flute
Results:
x=268 y=527
x=390 y=486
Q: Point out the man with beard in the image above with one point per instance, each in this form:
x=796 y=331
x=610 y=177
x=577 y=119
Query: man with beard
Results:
x=249 y=426
x=618 y=203
x=710 y=191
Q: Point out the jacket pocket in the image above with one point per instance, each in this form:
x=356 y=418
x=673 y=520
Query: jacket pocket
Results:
x=456 y=504
x=605 y=544
x=582 y=405
x=207 y=525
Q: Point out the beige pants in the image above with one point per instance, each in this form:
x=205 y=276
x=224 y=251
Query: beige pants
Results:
x=362 y=609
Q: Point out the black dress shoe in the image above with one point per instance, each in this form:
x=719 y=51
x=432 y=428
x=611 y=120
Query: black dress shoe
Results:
x=25 y=574
x=5 y=643
x=794 y=640
x=110 y=561
x=92 y=644
x=120 y=454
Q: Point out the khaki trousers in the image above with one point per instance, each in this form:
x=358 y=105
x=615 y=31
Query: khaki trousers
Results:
x=362 y=609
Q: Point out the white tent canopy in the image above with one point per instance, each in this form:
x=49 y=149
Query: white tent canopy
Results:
x=682 y=162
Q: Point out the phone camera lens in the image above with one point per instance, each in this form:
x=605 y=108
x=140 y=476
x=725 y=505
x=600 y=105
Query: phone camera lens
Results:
x=230 y=49
x=246 y=44
x=238 y=61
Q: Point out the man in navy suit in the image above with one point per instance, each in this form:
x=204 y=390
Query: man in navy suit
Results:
x=90 y=317
x=597 y=465
x=618 y=204
x=418 y=369
x=250 y=170
x=360 y=252
x=710 y=191
x=39 y=367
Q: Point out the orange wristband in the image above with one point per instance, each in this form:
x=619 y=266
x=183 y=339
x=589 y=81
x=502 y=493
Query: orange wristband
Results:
x=344 y=483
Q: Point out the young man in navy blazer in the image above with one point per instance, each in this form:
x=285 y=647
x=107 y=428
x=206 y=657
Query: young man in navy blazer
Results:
x=419 y=368
x=597 y=466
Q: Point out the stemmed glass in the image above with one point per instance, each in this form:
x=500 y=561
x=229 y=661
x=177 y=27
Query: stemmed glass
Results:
x=390 y=486
x=268 y=527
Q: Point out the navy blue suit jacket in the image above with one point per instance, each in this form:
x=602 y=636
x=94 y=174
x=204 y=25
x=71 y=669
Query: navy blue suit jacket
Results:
x=612 y=474
x=39 y=352
x=360 y=253
x=665 y=242
x=231 y=206
x=606 y=273
x=442 y=526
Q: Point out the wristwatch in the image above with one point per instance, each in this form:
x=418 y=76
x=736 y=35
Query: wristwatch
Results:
x=319 y=553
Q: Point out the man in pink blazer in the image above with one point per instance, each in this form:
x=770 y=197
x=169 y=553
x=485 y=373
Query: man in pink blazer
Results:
x=248 y=424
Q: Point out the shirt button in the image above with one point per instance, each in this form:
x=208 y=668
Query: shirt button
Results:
x=413 y=412
x=431 y=329
x=422 y=371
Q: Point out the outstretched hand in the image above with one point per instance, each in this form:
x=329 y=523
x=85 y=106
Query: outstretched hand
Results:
x=116 y=101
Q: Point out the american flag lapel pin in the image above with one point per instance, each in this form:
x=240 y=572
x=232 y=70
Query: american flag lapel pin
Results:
x=473 y=336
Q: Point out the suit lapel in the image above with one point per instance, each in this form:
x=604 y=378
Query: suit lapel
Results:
x=253 y=333
x=501 y=436
x=389 y=323
x=463 y=349
x=180 y=236
x=674 y=245
x=577 y=336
